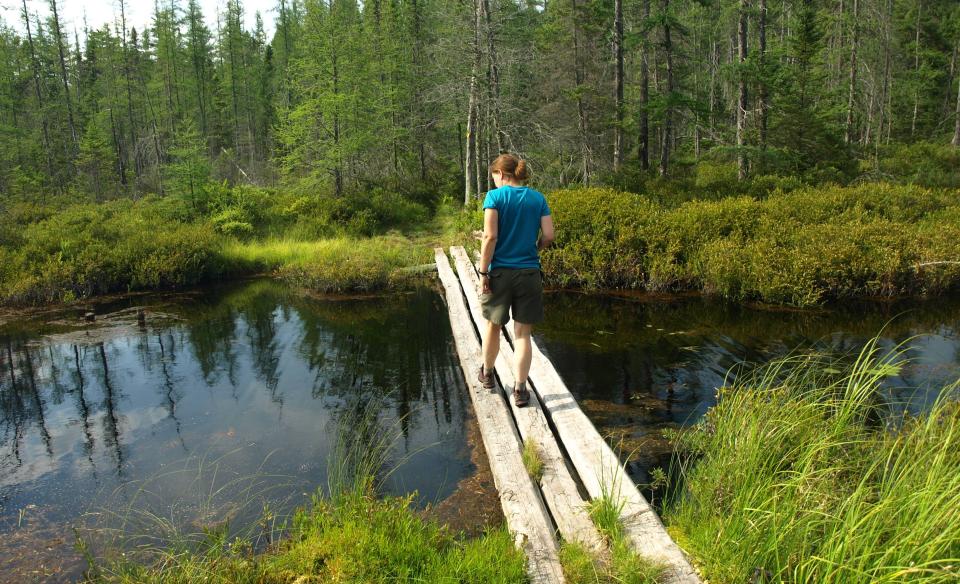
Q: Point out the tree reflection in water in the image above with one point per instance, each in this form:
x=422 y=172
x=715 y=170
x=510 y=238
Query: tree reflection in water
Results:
x=254 y=370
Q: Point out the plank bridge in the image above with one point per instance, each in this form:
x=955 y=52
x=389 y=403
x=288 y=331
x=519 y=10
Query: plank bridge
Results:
x=578 y=464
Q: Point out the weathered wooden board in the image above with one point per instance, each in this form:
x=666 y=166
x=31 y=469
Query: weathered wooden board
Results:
x=601 y=472
x=526 y=515
x=558 y=485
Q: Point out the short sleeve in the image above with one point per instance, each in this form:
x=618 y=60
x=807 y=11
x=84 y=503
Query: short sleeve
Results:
x=544 y=207
x=490 y=201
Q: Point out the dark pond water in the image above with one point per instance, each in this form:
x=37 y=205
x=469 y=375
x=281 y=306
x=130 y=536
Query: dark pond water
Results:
x=640 y=365
x=230 y=398
x=223 y=401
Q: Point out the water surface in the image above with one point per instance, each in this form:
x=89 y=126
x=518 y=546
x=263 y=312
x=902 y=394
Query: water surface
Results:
x=641 y=364
x=220 y=402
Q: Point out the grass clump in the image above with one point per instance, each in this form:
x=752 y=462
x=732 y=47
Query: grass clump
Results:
x=346 y=264
x=347 y=535
x=532 y=460
x=87 y=250
x=605 y=513
x=800 y=475
x=355 y=537
x=621 y=565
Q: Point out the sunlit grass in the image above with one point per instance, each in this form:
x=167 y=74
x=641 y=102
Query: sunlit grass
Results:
x=532 y=460
x=335 y=265
x=800 y=474
x=348 y=534
x=619 y=562
x=621 y=566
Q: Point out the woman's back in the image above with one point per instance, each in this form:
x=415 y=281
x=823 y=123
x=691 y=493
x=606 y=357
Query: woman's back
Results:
x=519 y=209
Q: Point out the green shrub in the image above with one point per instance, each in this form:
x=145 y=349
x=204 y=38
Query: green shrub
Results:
x=802 y=247
x=600 y=238
x=922 y=163
x=117 y=246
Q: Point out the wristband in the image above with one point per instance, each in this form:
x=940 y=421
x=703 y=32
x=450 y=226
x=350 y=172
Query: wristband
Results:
x=483 y=273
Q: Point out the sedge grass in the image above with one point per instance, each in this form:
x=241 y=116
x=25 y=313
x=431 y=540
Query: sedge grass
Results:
x=622 y=564
x=347 y=535
x=800 y=474
x=334 y=265
x=532 y=460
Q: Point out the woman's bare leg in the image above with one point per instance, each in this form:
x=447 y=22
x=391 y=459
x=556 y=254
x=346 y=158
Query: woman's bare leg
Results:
x=521 y=345
x=491 y=345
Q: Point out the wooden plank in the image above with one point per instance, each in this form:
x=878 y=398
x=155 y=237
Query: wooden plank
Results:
x=602 y=473
x=526 y=515
x=557 y=484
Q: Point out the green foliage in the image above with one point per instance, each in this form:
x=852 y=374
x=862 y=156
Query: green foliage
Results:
x=600 y=238
x=60 y=254
x=923 y=163
x=532 y=461
x=801 y=247
x=348 y=536
x=96 y=249
x=623 y=567
x=792 y=472
x=351 y=265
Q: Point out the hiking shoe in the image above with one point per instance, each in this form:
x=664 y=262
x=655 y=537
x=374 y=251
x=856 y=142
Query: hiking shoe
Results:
x=486 y=378
x=521 y=395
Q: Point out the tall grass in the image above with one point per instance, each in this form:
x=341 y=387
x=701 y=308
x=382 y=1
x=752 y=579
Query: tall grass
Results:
x=348 y=534
x=532 y=460
x=801 y=474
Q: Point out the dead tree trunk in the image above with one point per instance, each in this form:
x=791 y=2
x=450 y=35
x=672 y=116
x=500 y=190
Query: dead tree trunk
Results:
x=494 y=76
x=956 y=128
x=35 y=64
x=581 y=110
x=916 y=70
x=63 y=72
x=667 y=138
x=471 y=186
x=851 y=95
x=618 y=82
x=645 y=95
x=763 y=96
x=742 y=99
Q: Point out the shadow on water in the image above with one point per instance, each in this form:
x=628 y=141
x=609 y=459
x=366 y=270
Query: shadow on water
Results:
x=232 y=394
x=642 y=366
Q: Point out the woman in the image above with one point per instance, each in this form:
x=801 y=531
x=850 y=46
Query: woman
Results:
x=513 y=217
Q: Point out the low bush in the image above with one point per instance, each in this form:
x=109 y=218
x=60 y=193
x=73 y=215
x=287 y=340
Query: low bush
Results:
x=923 y=163
x=802 y=247
x=97 y=249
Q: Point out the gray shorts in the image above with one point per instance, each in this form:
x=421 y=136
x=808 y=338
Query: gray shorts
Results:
x=516 y=290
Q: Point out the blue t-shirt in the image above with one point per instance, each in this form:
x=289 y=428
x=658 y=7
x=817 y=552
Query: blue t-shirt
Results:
x=519 y=210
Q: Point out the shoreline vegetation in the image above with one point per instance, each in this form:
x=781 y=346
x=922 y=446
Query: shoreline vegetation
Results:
x=806 y=474
x=802 y=469
x=774 y=240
